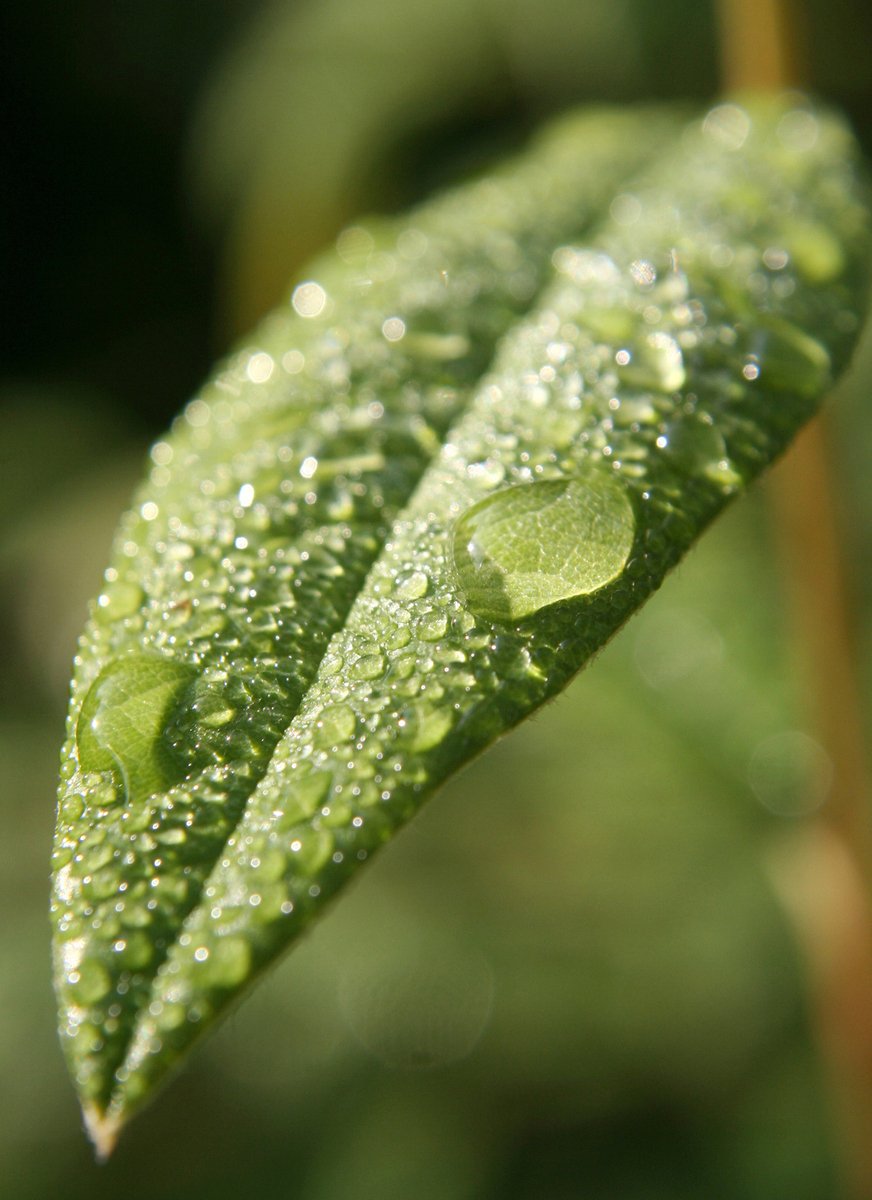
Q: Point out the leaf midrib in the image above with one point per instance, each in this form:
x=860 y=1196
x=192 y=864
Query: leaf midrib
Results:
x=585 y=230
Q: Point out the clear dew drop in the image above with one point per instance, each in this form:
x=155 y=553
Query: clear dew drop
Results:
x=335 y=726
x=695 y=442
x=120 y=599
x=412 y=586
x=488 y=473
x=226 y=963
x=656 y=362
x=791 y=360
x=369 y=666
x=123 y=720
x=533 y=545
x=432 y=626
x=90 y=982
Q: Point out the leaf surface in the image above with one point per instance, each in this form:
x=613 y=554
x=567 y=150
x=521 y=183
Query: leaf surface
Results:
x=356 y=562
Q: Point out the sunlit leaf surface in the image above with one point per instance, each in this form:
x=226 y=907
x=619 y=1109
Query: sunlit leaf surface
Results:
x=358 y=560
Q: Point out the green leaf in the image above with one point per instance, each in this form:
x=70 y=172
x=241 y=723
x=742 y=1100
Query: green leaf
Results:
x=357 y=562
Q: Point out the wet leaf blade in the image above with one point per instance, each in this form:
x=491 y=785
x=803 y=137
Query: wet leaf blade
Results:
x=669 y=361
x=246 y=547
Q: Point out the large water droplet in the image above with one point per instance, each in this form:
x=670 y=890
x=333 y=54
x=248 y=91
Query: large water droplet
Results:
x=533 y=545
x=123 y=719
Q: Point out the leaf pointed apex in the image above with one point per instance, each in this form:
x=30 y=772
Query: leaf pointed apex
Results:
x=103 y=1129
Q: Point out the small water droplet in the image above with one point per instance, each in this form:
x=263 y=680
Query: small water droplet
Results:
x=429 y=727
x=432 y=626
x=656 y=362
x=412 y=587
x=227 y=964
x=488 y=473
x=694 y=442
x=335 y=725
x=530 y=546
x=369 y=666
x=302 y=797
x=120 y=599
x=790 y=359
x=90 y=982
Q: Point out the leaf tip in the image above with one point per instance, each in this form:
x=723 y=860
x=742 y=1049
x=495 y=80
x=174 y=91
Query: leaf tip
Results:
x=103 y=1129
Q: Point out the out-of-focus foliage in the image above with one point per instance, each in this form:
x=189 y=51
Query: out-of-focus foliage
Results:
x=386 y=98
x=622 y=1010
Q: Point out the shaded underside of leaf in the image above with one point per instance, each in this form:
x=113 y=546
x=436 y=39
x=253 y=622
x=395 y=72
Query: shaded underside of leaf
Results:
x=356 y=562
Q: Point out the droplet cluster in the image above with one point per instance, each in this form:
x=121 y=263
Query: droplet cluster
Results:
x=363 y=582
x=263 y=512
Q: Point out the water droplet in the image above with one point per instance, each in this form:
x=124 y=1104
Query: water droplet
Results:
x=302 y=797
x=790 y=359
x=260 y=367
x=656 y=362
x=430 y=727
x=530 y=546
x=488 y=473
x=90 y=982
x=694 y=442
x=124 y=717
x=412 y=587
x=369 y=666
x=120 y=599
x=310 y=851
x=218 y=717
x=226 y=964
x=432 y=626
x=335 y=725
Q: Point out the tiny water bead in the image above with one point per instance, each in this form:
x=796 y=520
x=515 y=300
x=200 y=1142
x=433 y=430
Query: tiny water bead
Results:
x=535 y=544
x=122 y=722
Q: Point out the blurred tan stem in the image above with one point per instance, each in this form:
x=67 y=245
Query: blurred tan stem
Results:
x=823 y=873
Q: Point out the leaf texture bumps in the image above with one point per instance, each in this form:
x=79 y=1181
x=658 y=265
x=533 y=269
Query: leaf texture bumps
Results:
x=358 y=560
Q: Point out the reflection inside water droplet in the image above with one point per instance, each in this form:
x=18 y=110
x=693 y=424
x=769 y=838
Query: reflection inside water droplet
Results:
x=533 y=545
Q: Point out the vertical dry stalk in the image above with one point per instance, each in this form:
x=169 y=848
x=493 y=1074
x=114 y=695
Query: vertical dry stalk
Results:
x=824 y=873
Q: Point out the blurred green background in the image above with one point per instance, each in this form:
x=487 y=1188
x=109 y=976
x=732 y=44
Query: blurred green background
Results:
x=571 y=976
